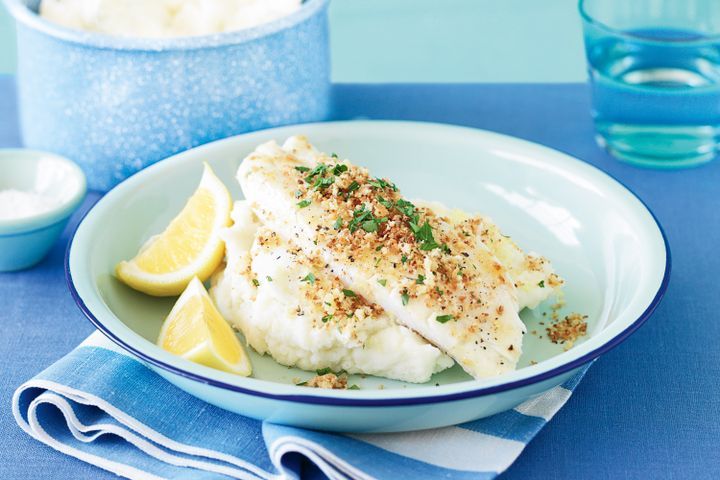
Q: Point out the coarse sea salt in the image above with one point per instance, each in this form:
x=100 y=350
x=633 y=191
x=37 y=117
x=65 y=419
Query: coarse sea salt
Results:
x=18 y=204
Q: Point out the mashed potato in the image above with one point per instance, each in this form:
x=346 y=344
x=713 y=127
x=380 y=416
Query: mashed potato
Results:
x=286 y=307
x=266 y=292
x=164 y=18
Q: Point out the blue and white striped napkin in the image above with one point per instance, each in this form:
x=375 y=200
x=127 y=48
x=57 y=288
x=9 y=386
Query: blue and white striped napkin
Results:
x=107 y=409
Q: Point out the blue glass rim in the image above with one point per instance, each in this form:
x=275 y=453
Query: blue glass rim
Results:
x=389 y=402
x=23 y=14
x=590 y=20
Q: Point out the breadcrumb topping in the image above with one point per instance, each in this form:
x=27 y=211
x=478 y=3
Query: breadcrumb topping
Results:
x=368 y=222
x=338 y=307
x=568 y=330
x=329 y=380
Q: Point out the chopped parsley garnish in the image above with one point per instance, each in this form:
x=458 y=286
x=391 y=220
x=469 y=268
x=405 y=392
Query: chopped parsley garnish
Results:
x=439 y=292
x=317 y=171
x=403 y=259
x=444 y=318
x=334 y=155
x=382 y=282
x=349 y=293
x=370 y=226
x=353 y=387
x=424 y=235
x=407 y=209
x=303 y=203
x=541 y=284
x=256 y=282
x=323 y=182
x=310 y=278
x=373 y=224
x=359 y=216
x=420 y=280
x=301 y=384
x=405 y=297
x=269 y=278
x=317 y=176
x=338 y=224
x=364 y=218
x=326 y=318
x=380 y=183
x=385 y=203
x=351 y=188
x=324 y=371
x=378 y=248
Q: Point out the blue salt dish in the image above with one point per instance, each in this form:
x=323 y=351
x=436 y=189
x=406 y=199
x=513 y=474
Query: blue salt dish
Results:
x=26 y=240
x=116 y=105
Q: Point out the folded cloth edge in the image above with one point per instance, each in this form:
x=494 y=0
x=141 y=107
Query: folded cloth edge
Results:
x=544 y=407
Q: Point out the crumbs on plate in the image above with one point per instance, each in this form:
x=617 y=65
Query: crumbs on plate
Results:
x=330 y=381
x=568 y=330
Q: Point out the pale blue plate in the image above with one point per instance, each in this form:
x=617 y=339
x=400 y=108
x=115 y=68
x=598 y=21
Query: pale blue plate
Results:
x=601 y=238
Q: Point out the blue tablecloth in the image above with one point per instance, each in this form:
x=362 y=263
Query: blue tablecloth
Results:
x=648 y=409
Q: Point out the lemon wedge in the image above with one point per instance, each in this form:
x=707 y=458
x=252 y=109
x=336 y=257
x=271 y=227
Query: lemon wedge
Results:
x=196 y=331
x=189 y=247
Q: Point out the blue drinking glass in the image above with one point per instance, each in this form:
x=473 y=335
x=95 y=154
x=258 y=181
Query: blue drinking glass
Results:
x=655 y=74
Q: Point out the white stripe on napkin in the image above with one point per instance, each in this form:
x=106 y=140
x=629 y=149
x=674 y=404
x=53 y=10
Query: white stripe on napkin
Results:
x=331 y=465
x=98 y=339
x=545 y=405
x=35 y=430
x=450 y=447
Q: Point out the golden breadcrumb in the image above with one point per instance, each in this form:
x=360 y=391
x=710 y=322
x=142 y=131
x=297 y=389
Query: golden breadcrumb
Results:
x=568 y=330
x=329 y=380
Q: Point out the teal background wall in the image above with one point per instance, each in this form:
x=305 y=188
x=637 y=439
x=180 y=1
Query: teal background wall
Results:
x=439 y=41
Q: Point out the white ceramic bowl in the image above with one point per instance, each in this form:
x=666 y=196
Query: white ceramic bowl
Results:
x=600 y=237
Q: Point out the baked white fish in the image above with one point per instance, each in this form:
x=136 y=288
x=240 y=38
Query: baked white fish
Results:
x=433 y=275
x=289 y=307
x=533 y=275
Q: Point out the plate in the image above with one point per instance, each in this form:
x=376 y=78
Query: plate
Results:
x=600 y=237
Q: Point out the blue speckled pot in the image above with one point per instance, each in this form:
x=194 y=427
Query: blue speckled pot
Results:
x=116 y=105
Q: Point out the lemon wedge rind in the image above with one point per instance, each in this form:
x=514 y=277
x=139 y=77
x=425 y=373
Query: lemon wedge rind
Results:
x=190 y=246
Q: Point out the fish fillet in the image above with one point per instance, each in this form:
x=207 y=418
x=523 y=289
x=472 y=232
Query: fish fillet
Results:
x=291 y=309
x=434 y=276
x=533 y=275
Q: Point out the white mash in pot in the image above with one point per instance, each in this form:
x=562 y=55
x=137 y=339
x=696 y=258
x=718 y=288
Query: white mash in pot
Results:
x=164 y=18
